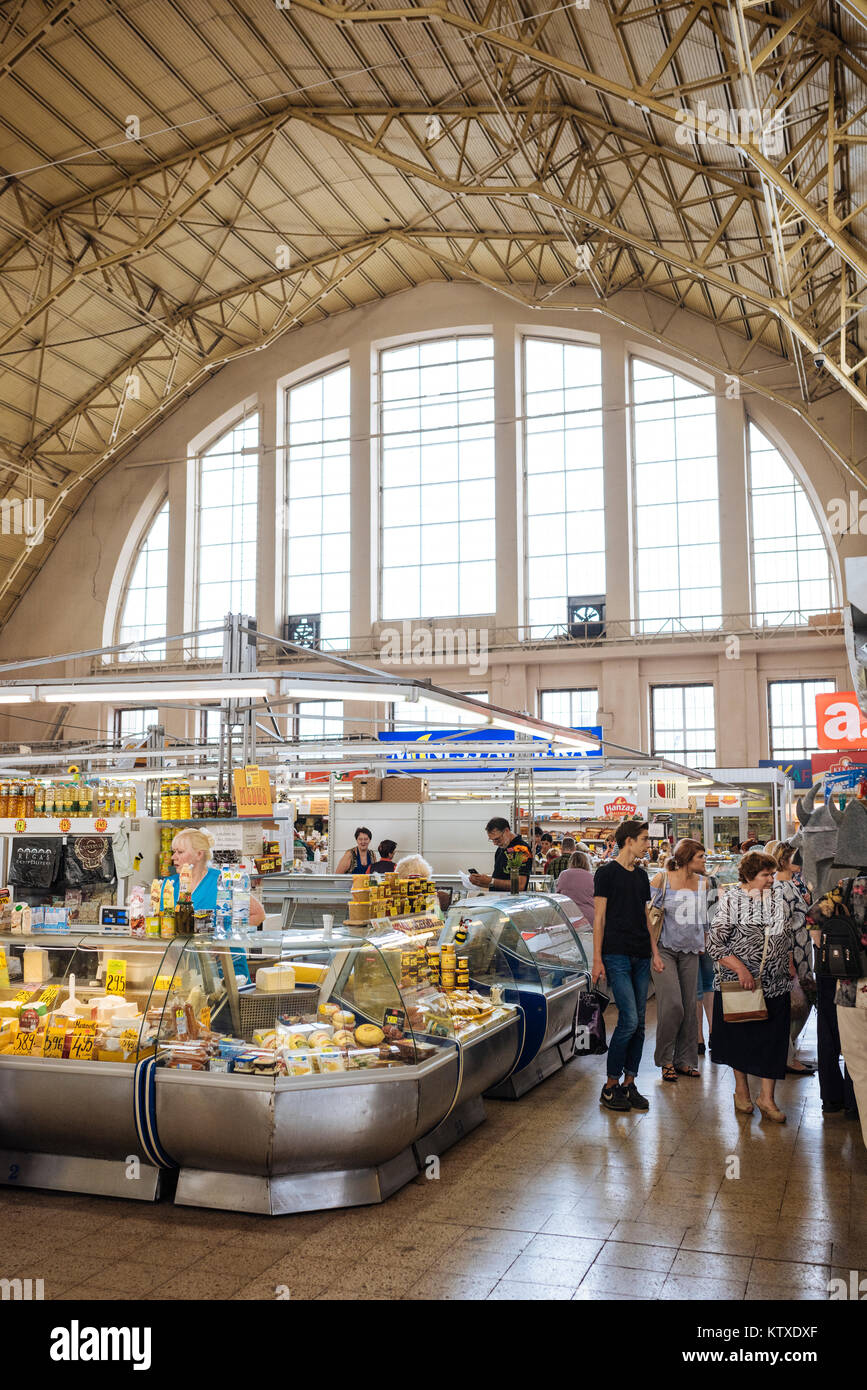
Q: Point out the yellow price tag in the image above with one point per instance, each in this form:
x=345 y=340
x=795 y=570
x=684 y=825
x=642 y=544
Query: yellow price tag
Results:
x=205 y=1018
x=81 y=1049
x=84 y=1025
x=23 y=1045
x=4 y=970
x=52 y=1045
x=22 y=996
x=115 y=977
x=129 y=1040
x=163 y=982
x=49 y=994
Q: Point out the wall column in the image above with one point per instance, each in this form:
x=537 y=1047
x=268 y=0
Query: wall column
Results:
x=510 y=549
x=363 y=500
x=615 y=454
x=733 y=528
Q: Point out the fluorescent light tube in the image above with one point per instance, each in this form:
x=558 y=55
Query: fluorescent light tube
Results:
x=17 y=697
x=160 y=695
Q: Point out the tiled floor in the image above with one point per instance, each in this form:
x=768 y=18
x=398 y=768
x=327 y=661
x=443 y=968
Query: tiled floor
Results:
x=552 y=1198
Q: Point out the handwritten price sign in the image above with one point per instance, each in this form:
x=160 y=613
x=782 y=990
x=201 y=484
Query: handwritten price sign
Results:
x=53 y=1044
x=81 y=1049
x=115 y=977
x=23 y=1045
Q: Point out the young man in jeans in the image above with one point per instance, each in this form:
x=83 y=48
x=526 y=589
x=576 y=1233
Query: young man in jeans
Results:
x=623 y=949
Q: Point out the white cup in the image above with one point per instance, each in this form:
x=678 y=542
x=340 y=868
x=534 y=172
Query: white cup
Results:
x=327 y=925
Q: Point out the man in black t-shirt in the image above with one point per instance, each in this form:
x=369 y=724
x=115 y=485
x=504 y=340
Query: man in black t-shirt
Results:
x=500 y=834
x=623 y=948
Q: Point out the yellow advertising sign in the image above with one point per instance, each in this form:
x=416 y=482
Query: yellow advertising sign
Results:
x=252 y=791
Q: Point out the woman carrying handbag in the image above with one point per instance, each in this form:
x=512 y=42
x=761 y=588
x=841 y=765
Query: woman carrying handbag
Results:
x=759 y=943
x=679 y=907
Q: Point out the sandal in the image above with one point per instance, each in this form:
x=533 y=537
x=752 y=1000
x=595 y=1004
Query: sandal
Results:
x=687 y=1071
x=669 y=1074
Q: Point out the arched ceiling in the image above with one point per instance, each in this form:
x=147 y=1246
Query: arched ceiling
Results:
x=186 y=180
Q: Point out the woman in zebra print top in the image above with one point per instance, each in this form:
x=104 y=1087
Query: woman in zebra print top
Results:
x=748 y=912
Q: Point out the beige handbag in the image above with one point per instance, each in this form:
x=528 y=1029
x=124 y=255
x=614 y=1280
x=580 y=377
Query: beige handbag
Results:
x=656 y=914
x=744 y=1005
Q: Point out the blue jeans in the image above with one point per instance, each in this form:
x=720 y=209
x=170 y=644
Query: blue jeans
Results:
x=629 y=977
x=706 y=972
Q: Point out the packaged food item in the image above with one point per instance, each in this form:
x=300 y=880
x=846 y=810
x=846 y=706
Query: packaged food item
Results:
x=369 y=1035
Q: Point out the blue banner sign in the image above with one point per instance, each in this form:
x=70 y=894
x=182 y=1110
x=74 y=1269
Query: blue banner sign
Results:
x=449 y=737
x=799 y=769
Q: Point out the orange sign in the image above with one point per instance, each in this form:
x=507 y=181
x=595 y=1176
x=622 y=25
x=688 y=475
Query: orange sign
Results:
x=66 y=824
x=20 y=826
x=252 y=791
x=839 y=721
x=620 y=808
x=101 y=824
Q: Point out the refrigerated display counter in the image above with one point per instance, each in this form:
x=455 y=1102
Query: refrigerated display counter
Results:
x=535 y=937
x=324 y=1082
x=303 y=899
x=77 y=1013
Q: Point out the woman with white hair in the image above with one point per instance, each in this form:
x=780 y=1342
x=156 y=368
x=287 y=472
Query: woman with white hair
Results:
x=413 y=866
x=193 y=846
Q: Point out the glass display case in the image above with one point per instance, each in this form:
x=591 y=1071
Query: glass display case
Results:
x=297 y=1073
x=77 y=1013
x=533 y=938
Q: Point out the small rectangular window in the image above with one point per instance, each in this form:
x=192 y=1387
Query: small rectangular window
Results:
x=792 y=716
x=683 y=725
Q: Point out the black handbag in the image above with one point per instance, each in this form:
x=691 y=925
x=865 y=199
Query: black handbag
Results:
x=588 y=1028
x=842 y=950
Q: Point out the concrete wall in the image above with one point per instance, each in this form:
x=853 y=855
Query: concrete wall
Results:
x=66 y=608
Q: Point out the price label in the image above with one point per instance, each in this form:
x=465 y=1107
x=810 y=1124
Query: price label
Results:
x=84 y=1025
x=129 y=1040
x=23 y=1045
x=65 y=824
x=49 y=994
x=22 y=996
x=20 y=826
x=4 y=970
x=81 y=1049
x=163 y=982
x=101 y=824
x=205 y=1018
x=53 y=1043
x=115 y=977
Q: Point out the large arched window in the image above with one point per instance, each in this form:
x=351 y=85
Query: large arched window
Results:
x=228 y=486
x=317 y=494
x=676 y=493
x=564 y=500
x=791 y=569
x=143 y=614
x=438 y=540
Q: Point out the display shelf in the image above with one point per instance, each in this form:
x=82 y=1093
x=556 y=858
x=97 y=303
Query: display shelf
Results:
x=215 y=820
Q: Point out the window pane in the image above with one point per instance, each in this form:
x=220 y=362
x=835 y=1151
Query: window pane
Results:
x=676 y=502
x=574 y=709
x=791 y=568
x=227 y=525
x=144 y=609
x=563 y=479
x=683 y=724
x=792 y=716
x=317 y=500
x=436 y=514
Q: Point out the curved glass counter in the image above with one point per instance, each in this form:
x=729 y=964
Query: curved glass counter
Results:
x=296 y=1073
x=531 y=938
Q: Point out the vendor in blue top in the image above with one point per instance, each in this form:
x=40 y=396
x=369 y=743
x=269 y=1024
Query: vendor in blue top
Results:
x=193 y=846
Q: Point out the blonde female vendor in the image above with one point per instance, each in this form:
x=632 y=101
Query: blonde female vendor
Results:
x=193 y=846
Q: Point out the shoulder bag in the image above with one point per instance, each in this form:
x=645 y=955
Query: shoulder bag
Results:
x=656 y=913
x=745 y=1005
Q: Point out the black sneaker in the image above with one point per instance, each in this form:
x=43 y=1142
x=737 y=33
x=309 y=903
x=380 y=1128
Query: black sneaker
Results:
x=636 y=1100
x=615 y=1098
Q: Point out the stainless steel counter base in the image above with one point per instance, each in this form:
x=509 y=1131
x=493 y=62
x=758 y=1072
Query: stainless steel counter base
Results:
x=555 y=1050
x=100 y=1177
x=485 y=1059
x=296 y=1192
x=463 y=1120
x=69 y=1125
x=541 y=1067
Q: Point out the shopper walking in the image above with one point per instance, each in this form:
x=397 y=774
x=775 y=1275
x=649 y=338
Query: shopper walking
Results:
x=623 y=949
x=836 y=1089
x=361 y=859
x=682 y=892
x=803 y=998
x=576 y=882
x=759 y=941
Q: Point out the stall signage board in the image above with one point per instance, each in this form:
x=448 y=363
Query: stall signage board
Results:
x=839 y=721
x=837 y=762
x=798 y=769
x=619 y=808
x=542 y=747
x=252 y=791
x=227 y=836
x=115 y=977
x=4 y=970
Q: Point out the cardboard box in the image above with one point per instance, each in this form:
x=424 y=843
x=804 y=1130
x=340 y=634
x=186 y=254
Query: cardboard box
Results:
x=368 y=787
x=404 y=789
